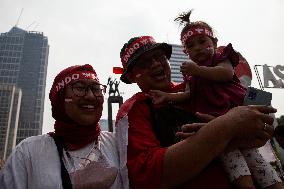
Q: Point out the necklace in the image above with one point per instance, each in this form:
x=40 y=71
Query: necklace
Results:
x=83 y=161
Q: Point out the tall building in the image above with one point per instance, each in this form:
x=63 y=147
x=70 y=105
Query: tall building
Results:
x=23 y=63
x=177 y=58
x=10 y=100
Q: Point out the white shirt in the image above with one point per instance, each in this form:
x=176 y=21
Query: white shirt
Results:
x=34 y=163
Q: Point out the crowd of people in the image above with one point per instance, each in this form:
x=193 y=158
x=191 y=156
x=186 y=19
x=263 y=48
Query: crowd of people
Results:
x=195 y=134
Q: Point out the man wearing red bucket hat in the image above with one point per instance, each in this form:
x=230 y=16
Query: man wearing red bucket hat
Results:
x=150 y=152
x=77 y=154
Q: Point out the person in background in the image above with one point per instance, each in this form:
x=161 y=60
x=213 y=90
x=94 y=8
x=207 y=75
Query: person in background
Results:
x=279 y=132
x=213 y=88
x=77 y=154
x=279 y=135
x=150 y=155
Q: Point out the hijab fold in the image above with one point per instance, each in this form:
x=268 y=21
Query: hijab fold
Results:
x=75 y=136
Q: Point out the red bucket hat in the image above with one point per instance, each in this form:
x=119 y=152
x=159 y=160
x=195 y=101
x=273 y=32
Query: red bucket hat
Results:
x=136 y=47
x=64 y=78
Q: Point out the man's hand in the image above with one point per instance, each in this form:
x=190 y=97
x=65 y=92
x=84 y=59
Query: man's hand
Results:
x=190 y=129
x=204 y=117
x=251 y=125
x=247 y=124
x=247 y=121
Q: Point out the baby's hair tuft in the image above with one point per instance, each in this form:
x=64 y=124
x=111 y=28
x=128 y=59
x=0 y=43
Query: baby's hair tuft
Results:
x=184 y=18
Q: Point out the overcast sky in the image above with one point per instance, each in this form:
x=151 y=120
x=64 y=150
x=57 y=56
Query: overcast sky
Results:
x=93 y=32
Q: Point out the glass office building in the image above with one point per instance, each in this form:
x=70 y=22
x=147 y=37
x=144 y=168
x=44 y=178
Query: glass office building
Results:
x=10 y=100
x=177 y=58
x=23 y=63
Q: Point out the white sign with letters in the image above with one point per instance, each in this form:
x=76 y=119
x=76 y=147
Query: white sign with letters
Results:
x=270 y=77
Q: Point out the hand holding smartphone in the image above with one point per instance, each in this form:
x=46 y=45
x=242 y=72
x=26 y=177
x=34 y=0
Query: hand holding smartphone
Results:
x=256 y=96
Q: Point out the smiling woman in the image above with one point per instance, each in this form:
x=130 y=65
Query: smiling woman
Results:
x=77 y=154
x=86 y=107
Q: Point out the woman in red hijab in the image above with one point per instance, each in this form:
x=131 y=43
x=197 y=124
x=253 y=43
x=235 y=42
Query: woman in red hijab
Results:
x=77 y=154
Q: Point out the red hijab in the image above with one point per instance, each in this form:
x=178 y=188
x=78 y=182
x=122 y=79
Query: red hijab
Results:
x=74 y=136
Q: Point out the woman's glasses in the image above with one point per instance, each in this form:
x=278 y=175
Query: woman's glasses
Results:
x=81 y=89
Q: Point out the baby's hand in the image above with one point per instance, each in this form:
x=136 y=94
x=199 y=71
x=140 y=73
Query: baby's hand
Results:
x=158 y=96
x=189 y=68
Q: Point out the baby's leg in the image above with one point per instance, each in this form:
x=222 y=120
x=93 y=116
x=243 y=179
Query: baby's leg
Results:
x=262 y=171
x=236 y=167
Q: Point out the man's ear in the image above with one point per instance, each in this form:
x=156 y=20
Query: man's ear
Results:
x=215 y=40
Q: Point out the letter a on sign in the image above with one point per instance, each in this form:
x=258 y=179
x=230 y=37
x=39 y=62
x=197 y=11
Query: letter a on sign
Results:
x=268 y=76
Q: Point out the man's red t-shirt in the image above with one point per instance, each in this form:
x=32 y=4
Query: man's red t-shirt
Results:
x=145 y=156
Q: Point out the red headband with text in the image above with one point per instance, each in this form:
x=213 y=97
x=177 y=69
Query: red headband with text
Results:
x=73 y=76
x=198 y=30
x=134 y=46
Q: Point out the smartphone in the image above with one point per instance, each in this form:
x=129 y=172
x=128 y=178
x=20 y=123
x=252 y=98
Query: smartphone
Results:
x=256 y=96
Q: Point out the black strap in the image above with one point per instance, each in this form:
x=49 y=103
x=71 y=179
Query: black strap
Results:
x=66 y=182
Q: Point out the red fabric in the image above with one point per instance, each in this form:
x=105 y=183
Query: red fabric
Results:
x=70 y=74
x=117 y=70
x=145 y=156
x=127 y=105
x=242 y=68
x=134 y=46
x=194 y=31
x=178 y=87
x=75 y=136
x=212 y=177
x=216 y=98
x=57 y=97
x=73 y=76
x=227 y=52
